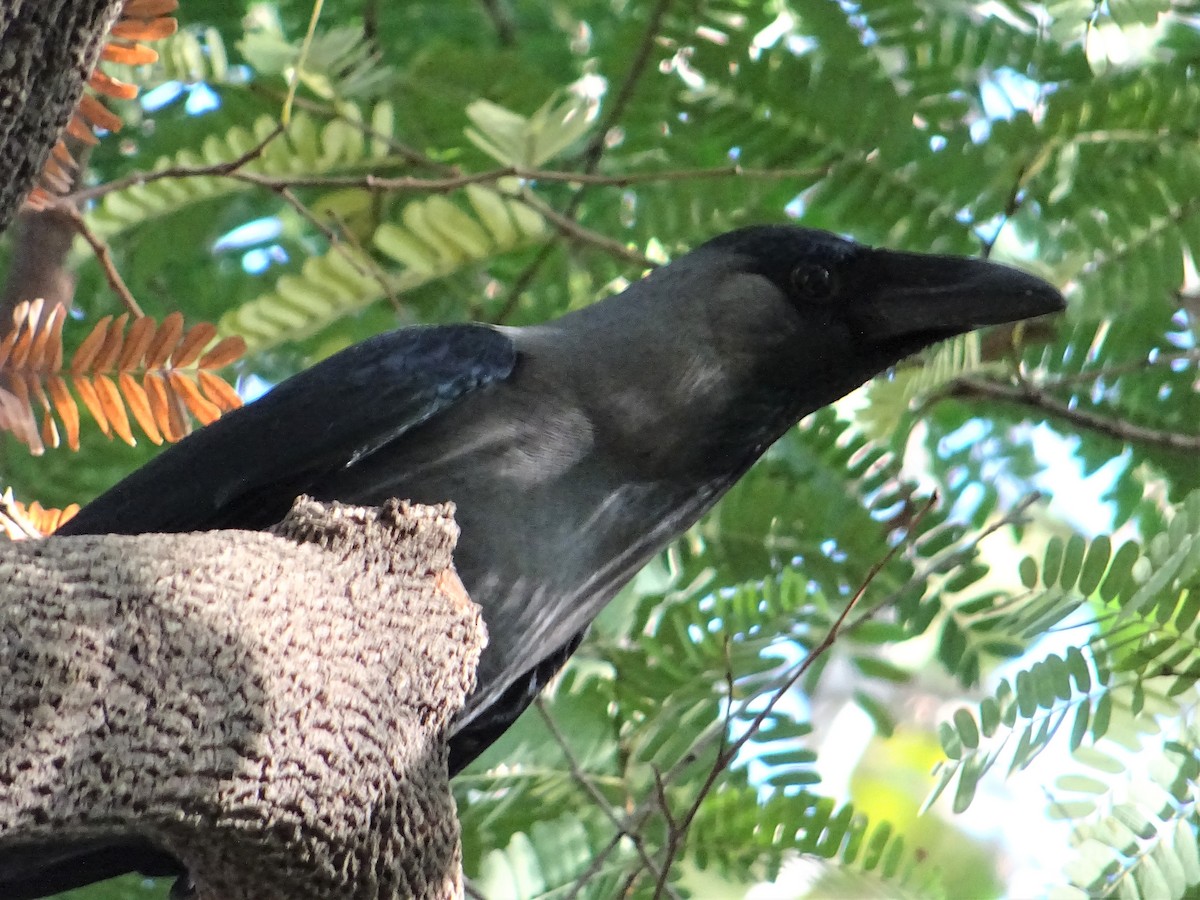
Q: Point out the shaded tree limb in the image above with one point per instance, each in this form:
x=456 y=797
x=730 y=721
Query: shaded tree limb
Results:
x=1029 y=396
x=270 y=709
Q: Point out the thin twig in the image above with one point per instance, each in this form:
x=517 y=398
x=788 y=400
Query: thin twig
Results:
x=637 y=68
x=502 y=20
x=568 y=227
x=285 y=115
x=381 y=277
x=226 y=168
x=595 y=149
x=1117 y=429
x=362 y=265
x=104 y=257
x=1145 y=365
x=581 y=777
x=717 y=732
x=443 y=185
x=729 y=753
x=331 y=112
x=948 y=556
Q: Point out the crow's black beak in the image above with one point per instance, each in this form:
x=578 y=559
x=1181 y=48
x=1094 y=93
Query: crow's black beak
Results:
x=907 y=295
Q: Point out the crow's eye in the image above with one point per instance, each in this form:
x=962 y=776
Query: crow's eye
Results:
x=813 y=282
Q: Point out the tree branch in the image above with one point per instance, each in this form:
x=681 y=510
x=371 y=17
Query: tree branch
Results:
x=1033 y=398
x=270 y=709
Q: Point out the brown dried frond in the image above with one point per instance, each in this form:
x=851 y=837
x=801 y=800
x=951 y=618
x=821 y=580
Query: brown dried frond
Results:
x=157 y=375
x=139 y=20
x=19 y=521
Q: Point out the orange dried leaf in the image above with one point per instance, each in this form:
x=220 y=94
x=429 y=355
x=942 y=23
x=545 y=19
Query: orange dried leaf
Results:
x=180 y=425
x=218 y=391
x=112 y=87
x=96 y=113
x=193 y=343
x=204 y=411
x=160 y=404
x=63 y=155
x=144 y=29
x=87 y=393
x=24 y=423
x=78 y=129
x=10 y=339
x=54 y=364
x=113 y=342
x=39 y=198
x=86 y=354
x=141 y=333
x=29 y=313
x=226 y=351
x=49 y=430
x=65 y=514
x=165 y=340
x=139 y=405
x=66 y=407
x=147 y=9
x=42 y=351
x=128 y=54
x=43 y=521
x=55 y=178
x=114 y=409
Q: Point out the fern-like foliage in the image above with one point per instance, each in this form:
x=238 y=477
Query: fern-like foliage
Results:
x=175 y=369
x=1145 y=651
x=429 y=239
x=355 y=141
x=1134 y=833
x=739 y=832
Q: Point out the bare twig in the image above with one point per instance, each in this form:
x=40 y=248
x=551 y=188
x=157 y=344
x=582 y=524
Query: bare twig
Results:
x=729 y=753
x=376 y=270
x=637 y=68
x=948 y=556
x=104 y=257
x=301 y=60
x=582 y=779
x=1145 y=365
x=228 y=167
x=718 y=731
x=365 y=269
x=595 y=149
x=233 y=169
x=1030 y=396
x=568 y=227
x=502 y=20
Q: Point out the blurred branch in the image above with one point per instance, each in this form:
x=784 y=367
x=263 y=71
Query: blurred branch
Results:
x=718 y=733
x=584 y=781
x=501 y=18
x=104 y=257
x=233 y=169
x=1033 y=397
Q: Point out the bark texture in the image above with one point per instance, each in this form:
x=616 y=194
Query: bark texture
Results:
x=269 y=708
x=48 y=49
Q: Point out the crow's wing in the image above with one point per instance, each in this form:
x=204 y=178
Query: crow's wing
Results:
x=244 y=470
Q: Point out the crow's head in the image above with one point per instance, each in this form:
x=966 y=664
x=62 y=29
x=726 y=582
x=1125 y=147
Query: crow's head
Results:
x=824 y=313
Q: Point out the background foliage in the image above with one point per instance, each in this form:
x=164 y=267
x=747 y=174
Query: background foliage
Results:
x=505 y=161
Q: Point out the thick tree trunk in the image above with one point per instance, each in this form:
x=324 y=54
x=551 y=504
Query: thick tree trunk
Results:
x=48 y=49
x=270 y=709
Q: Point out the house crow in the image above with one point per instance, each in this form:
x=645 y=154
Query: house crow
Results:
x=574 y=450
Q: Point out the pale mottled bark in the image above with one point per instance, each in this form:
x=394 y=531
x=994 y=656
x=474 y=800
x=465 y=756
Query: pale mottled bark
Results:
x=48 y=49
x=269 y=708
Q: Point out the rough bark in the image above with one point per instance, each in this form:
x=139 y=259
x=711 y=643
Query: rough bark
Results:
x=48 y=49
x=269 y=708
